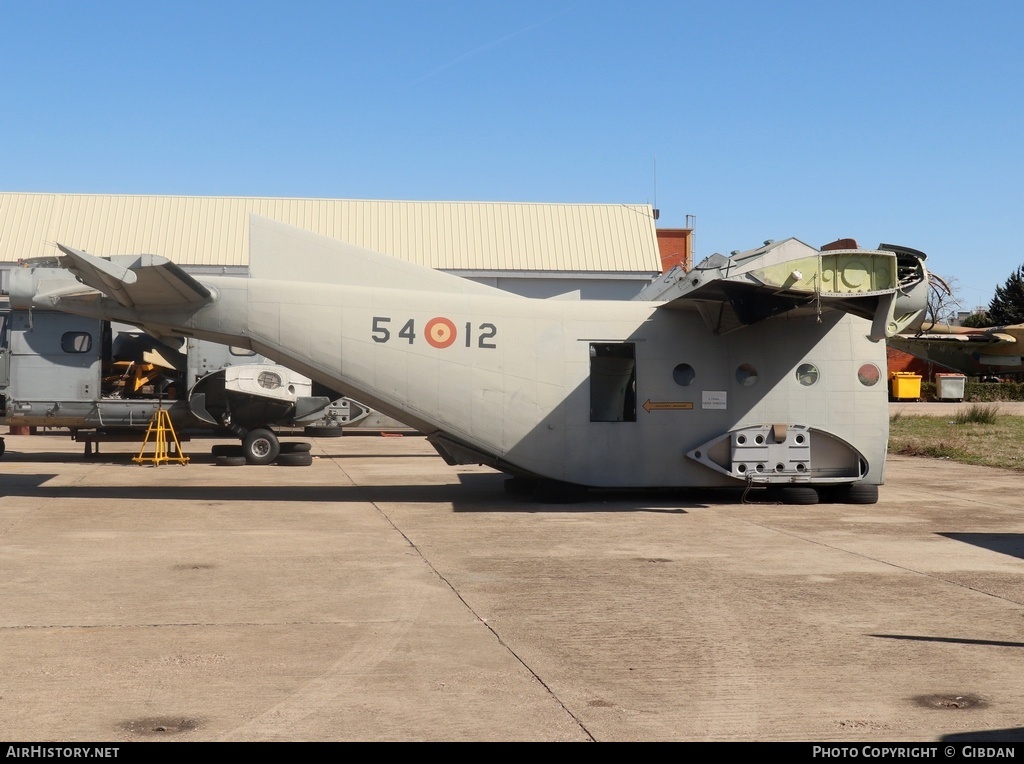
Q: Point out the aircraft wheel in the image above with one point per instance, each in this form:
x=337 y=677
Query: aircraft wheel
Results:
x=798 y=494
x=3 y=447
x=861 y=493
x=261 y=446
x=230 y=461
x=323 y=432
x=295 y=459
x=227 y=449
x=295 y=447
x=557 y=492
x=519 y=486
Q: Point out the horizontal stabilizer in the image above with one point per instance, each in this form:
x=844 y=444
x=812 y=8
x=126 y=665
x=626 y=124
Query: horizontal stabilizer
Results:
x=148 y=280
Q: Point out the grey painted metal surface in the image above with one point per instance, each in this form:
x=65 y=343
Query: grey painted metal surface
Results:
x=591 y=393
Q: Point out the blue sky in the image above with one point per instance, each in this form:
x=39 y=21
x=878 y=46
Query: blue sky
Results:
x=896 y=121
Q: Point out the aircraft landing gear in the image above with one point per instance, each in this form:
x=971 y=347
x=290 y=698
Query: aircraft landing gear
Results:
x=545 y=491
x=852 y=493
x=520 y=486
x=798 y=494
x=260 y=446
x=557 y=492
x=858 y=493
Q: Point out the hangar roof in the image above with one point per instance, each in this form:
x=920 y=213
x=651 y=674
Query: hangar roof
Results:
x=214 y=231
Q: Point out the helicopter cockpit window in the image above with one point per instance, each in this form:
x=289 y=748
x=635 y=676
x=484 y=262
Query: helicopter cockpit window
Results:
x=76 y=342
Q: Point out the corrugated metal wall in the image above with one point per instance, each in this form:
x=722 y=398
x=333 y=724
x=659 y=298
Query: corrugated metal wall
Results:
x=214 y=231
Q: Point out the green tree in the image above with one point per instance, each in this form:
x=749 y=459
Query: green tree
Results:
x=1007 y=307
x=977 y=321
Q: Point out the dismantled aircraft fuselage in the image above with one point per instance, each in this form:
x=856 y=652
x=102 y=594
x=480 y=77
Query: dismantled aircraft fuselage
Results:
x=764 y=368
x=973 y=351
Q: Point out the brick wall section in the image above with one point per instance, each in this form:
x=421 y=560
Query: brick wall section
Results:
x=897 y=360
x=675 y=247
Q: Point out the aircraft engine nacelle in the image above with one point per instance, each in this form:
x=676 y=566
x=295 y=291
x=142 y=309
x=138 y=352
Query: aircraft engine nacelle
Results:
x=254 y=395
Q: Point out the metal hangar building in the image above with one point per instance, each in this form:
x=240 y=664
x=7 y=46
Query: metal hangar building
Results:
x=593 y=251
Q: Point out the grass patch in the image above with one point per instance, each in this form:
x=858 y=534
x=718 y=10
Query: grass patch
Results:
x=977 y=415
x=995 y=440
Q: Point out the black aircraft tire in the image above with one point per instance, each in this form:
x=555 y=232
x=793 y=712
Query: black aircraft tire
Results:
x=297 y=459
x=323 y=432
x=557 y=492
x=3 y=447
x=519 y=486
x=227 y=449
x=230 y=461
x=261 y=446
x=295 y=447
x=861 y=493
x=799 y=494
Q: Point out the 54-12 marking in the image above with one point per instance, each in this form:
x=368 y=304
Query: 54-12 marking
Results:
x=439 y=332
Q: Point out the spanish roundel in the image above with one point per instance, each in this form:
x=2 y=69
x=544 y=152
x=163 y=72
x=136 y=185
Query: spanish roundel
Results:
x=440 y=332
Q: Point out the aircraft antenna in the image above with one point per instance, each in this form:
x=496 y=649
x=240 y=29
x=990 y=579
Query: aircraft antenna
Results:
x=691 y=224
x=817 y=287
x=657 y=212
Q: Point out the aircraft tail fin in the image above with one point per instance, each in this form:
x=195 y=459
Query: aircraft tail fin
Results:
x=281 y=252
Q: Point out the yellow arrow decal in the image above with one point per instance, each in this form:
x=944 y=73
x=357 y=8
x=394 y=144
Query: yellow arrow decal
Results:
x=650 y=405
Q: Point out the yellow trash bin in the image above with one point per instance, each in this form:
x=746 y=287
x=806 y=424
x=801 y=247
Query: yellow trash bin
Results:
x=905 y=385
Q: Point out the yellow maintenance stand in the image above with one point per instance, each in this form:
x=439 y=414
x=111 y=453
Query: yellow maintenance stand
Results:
x=162 y=432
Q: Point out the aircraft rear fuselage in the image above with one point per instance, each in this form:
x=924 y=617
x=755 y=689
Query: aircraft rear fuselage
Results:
x=598 y=393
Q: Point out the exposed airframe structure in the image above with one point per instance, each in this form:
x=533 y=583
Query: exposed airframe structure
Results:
x=762 y=368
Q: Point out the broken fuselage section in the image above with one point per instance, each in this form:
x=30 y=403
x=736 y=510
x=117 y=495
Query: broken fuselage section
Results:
x=886 y=287
x=602 y=394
